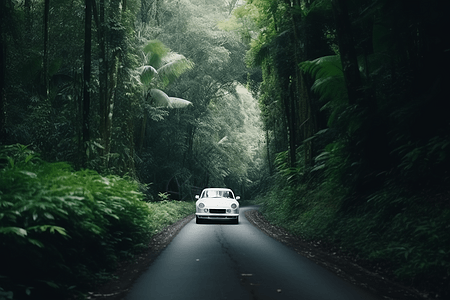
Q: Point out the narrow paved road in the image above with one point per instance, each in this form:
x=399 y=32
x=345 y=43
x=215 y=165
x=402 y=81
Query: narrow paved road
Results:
x=224 y=261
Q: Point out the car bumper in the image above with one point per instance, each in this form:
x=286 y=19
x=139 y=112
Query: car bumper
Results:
x=217 y=216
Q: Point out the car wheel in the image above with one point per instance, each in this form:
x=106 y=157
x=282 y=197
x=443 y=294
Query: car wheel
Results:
x=236 y=221
x=197 y=220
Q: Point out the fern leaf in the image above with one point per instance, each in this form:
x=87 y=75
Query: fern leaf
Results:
x=326 y=66
x=329 y=77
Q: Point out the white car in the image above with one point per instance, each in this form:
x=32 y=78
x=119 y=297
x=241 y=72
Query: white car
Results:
x=217 y=204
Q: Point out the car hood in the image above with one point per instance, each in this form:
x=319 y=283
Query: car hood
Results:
x=217 y=202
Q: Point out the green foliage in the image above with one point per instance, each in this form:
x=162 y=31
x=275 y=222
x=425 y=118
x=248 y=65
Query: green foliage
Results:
x=155 y=51
x=400 y=229
x=167 y=212
x=61 y=230
x=378 y=187
x=403 y=233
x=329 y=84
x=300 y=209
x=161 y=67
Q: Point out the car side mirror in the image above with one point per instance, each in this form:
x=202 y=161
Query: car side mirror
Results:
x=238 y=197
x=197 y=197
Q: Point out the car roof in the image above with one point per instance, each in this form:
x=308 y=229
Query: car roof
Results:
x=217 y=189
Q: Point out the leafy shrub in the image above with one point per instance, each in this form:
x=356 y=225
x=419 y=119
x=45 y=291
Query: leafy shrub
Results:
x=166 y=212
x=408 y=233
x=404 y=230
x=61 y=231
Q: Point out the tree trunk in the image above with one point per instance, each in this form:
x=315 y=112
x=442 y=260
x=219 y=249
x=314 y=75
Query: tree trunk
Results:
x=308 y=126
x=103 y=76
x=142 y=135
x=117 y=8
x=46 y=41
x=87 y=81
x=28 y=22
x=347 y=51
x=269 y=160
x=291 y=116
x=2 y=69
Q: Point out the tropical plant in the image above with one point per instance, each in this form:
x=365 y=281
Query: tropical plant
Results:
x=161 y=67
x=63 y=231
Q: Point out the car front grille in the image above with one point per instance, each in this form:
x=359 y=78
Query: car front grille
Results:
x=217 y=211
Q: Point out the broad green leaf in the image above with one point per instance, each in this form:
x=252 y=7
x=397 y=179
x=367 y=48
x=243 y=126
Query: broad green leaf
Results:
x=14 y=230
x=50 y=283
x=30 y=174
x=11 y=162
x=36 y=243
x=49 y=216
x=50 y=228
x=29 y=157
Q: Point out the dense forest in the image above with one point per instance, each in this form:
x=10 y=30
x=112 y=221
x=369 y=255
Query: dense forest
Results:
x=88 y=82
x=330 y=112
x=352 y=98
x=110 y=112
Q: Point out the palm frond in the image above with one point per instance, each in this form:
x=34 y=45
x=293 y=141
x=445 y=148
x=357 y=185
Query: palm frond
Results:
x=176 y=65
x=326 y=66
x=155 y=51
x=328 y=76
x=160 y=99
x=146 y=74
x=179 y=103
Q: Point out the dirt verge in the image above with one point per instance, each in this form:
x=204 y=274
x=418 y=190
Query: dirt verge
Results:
x=347 y=267
x=128 y=271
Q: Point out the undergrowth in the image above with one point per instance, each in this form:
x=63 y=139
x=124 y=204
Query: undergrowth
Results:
x=168 y=212
x=403 y=231
x=63 y=231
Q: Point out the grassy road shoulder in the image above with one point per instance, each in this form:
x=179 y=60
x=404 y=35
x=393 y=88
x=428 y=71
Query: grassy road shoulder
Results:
x=62 y=231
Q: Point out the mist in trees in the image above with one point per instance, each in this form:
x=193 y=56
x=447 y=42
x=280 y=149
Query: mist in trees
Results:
x=107 y=110
x=151 y=89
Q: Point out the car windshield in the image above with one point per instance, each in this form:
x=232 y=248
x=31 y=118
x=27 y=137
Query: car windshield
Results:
x=217 y=194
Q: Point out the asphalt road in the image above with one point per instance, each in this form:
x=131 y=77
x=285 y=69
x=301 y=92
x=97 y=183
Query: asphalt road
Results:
x=225 y=261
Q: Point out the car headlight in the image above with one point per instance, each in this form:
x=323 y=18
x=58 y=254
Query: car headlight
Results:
x=233 y=206
x=201 y=205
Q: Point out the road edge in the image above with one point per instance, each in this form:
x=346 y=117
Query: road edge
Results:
x=130 y=270
x=335 y=262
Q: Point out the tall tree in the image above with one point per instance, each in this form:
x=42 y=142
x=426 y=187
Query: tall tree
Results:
x=3 y=9
x=347 y=51
x=46 y=48
x=86 y=100
x=104 y=109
